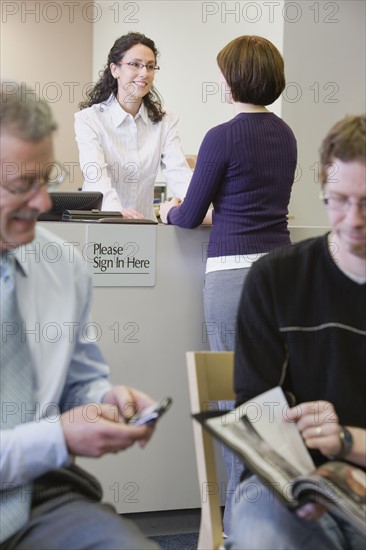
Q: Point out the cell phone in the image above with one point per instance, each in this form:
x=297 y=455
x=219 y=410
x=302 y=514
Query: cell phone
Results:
x=151 y=413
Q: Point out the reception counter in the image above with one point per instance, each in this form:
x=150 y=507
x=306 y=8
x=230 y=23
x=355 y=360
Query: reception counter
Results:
x=144 y=333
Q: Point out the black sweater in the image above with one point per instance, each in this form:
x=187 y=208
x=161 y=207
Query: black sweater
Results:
x=302 y=325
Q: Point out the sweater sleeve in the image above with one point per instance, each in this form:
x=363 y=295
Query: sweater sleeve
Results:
x=212 y=162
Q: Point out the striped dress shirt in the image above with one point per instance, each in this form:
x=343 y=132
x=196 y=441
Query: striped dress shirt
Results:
x=120 y=155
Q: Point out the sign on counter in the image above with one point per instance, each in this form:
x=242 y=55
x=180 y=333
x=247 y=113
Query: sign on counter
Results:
x=121 y=255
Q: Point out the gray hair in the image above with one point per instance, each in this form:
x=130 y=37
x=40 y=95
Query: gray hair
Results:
x=24 y=113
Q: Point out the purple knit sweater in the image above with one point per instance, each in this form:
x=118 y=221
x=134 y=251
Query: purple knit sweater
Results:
x=245 y=168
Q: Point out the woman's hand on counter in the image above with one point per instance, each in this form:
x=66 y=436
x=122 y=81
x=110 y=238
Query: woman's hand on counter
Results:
x=131 y=213
x=166 y=206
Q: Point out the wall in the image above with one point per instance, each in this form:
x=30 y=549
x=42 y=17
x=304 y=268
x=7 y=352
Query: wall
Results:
x=60 y=46
x=188 y=35
x=49 y=45
x=323 y=44
x=144 y=333
x=324 y=49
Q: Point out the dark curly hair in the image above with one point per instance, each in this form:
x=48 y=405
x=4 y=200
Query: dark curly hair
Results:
x=107 y=84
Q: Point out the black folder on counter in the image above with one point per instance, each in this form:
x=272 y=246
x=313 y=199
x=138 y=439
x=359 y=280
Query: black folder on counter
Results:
x=97 y=216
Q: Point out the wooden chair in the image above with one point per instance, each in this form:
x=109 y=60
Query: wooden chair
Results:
x=210 y=378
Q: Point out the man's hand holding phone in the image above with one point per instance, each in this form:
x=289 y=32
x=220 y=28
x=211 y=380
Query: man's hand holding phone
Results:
x=151 y=413
x=129 y=402
x=95 y=429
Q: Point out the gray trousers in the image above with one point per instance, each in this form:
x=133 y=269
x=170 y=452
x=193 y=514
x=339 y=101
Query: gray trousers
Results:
x=67 y=515
x=221 y=296
x=262 y=522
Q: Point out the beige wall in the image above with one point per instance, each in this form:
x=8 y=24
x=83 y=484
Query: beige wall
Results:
x=59 y=47
x=324 y=52
x=188 y=35
x=49 y=45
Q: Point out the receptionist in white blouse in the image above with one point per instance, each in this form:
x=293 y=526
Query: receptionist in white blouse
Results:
x=124 y=135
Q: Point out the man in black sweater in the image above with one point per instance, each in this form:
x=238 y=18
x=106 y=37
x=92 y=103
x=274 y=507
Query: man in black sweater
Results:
x=302 y=325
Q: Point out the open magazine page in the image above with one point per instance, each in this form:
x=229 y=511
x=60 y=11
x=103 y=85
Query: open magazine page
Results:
x=340 y=486
x=267 y=413
x=259 y=434
x=243 y=439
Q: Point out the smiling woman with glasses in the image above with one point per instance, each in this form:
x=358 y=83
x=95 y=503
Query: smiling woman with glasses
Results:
x=124 y=135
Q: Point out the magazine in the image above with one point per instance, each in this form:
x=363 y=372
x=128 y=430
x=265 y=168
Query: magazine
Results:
x=274 y=450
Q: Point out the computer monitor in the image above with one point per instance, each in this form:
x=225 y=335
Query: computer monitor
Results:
x=71 y=200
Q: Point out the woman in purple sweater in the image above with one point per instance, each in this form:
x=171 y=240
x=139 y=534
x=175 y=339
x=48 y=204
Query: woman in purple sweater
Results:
x=245 y=169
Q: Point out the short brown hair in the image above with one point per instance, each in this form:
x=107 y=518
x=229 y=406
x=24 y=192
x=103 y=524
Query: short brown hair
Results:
x=254 y=69
x=345 y=141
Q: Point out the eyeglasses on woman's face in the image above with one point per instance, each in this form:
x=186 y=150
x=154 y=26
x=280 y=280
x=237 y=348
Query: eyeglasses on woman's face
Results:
x=138 y=66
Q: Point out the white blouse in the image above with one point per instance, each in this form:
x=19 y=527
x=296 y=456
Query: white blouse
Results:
x=120 y=155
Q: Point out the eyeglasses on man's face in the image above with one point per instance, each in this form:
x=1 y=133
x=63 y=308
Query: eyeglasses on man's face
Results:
x=52 y=175
x=137 y=66
x=342 y=203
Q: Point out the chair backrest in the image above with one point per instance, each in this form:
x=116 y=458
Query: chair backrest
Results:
x=210 y=378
